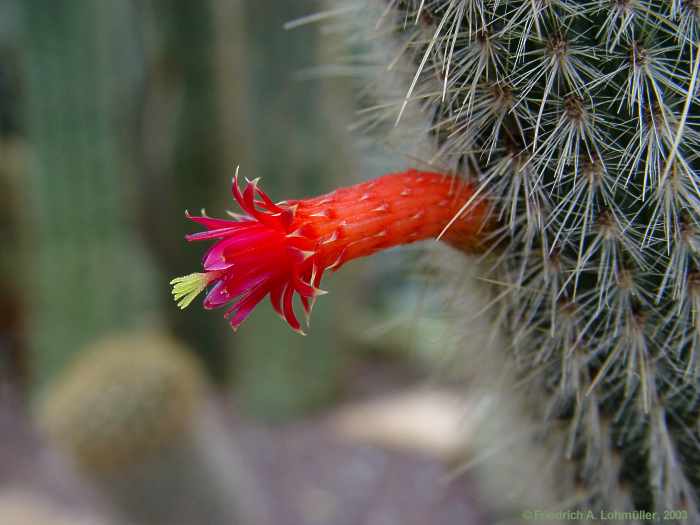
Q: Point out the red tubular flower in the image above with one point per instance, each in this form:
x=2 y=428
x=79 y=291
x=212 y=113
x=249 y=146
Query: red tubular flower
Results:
x=282 y=249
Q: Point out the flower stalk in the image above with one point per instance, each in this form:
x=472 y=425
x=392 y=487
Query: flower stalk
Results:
x=284 y=249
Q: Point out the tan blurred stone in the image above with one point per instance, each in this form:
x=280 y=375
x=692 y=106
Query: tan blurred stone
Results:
x=22 y=506
x=431 y=422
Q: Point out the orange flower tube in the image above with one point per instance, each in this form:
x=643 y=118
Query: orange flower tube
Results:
x=282 y=249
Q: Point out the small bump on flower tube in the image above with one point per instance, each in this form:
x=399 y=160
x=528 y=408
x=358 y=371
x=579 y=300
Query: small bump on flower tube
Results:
x=283 y=249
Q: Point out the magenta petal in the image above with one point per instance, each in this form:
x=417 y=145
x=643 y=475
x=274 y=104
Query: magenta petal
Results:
x=223 y=254
x=217 y=296
x=247 y=202
x=249 y=199
x=211 y=223
x=214 y=257
x=237 y=194
x=306 y=303
x=304 y=289
x=289 y=309
x=245 y=306
x=242 y=283
x=267 y=202
x=237 y=227
x=317 y=278
x=227 y=289
x=212 y=264
x=209 y=234
x=276 y=298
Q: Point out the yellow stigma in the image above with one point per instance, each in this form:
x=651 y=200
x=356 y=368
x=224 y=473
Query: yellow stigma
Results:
x=187 y=287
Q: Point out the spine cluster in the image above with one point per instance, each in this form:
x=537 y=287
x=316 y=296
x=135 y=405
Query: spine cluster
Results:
x=581 y=120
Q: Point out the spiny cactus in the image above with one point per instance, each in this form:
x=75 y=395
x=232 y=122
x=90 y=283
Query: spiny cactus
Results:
x=134 y=414
x=581 y=122
x=122 y=401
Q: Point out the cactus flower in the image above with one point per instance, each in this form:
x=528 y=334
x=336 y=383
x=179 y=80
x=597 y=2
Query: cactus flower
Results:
x=283 y=249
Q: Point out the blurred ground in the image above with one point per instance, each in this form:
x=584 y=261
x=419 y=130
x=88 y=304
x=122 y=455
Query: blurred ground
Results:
x=36 y=485
x=312 y=476
x=313 y=472
x=307 y=472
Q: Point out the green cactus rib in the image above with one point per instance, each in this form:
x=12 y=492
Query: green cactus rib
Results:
x=90 y=271
x=582 y=121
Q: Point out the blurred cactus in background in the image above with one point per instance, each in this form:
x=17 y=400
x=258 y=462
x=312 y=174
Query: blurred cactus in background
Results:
x=90 y=272
x=581 y=121
x=13 y=236
x=190 y=139
x=122 y=400
x=277 y=374
x=135 y=414
x=13 y=213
